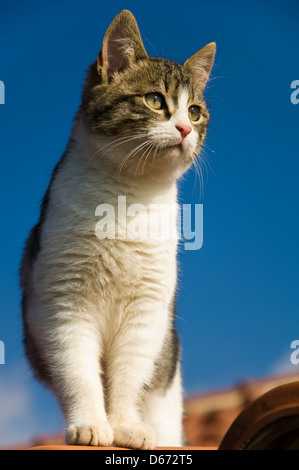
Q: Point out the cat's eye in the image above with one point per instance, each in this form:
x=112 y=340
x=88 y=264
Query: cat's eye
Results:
x=194 y=113
x=154 y=100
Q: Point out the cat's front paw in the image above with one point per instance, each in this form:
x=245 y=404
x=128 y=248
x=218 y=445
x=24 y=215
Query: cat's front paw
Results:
x=100 y=435
x=135 y=436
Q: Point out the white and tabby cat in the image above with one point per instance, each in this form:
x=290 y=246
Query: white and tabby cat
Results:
x=99 y=314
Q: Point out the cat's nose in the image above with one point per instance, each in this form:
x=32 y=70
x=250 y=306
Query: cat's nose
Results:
x=184 y=130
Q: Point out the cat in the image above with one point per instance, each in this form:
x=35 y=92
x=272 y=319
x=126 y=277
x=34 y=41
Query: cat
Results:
x=99 y=315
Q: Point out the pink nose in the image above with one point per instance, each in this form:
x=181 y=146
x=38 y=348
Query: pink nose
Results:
x=184 y=130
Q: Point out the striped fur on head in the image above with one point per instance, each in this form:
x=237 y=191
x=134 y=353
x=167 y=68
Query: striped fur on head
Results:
x=114 y=104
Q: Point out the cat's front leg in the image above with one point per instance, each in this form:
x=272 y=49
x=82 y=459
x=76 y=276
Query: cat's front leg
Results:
x=73 y=349
x=131 y=364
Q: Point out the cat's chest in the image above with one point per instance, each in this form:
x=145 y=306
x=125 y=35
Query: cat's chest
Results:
x=115 y=237
x=123 y=263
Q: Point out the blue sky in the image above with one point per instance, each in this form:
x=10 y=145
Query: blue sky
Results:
x=238 y=295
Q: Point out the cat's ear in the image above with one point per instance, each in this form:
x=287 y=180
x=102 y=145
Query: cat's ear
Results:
x=201 y=63
x=122 y=45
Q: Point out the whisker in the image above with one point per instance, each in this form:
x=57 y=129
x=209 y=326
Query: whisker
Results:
x=200 y=166
x=119 y=141
x=131 y=153
x=205 y=160
x=197 y=173
x=149 y=142
x=149 y=152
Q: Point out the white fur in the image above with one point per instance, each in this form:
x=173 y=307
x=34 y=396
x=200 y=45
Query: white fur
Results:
x=164 y=411
x=100 y=308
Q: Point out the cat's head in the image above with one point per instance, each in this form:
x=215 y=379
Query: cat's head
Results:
x=146 y=116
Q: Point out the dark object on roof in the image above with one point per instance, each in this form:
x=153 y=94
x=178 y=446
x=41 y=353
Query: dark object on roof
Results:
x=271 y=422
